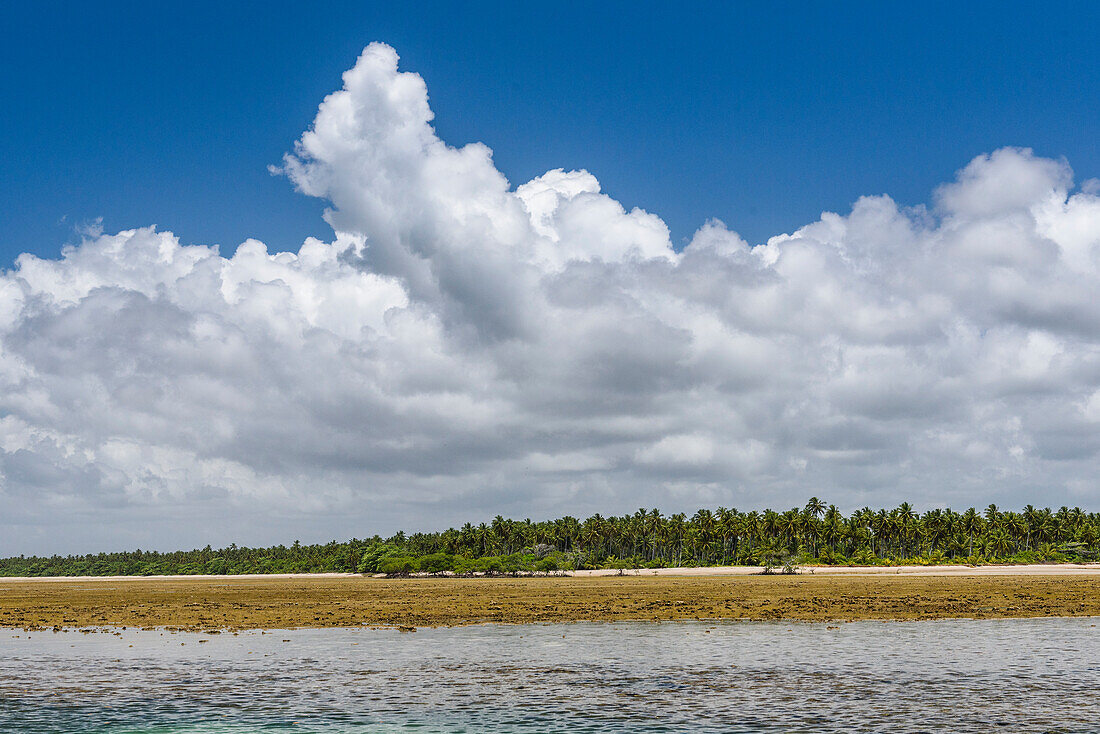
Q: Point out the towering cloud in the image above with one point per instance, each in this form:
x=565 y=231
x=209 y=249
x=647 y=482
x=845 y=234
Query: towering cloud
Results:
x=464 y=347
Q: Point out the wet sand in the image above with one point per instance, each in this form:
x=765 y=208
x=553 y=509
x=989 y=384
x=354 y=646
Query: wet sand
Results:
x=254 y=602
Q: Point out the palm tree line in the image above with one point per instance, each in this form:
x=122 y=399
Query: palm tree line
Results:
x=815 y=533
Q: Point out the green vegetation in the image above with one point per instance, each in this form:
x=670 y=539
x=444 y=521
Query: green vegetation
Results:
x=814 y=534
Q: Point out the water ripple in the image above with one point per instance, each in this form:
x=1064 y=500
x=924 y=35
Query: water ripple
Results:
x=963 y=676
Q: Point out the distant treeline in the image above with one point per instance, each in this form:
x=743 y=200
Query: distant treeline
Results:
x=814 y=534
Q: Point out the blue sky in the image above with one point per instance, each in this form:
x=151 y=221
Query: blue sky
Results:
x=494 y=336
x=762 y=114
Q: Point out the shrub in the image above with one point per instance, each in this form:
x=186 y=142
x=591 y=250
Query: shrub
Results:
x=372 y=559
x=465 y=565
x=437 y=563
x=546 y=565
x=399 y=565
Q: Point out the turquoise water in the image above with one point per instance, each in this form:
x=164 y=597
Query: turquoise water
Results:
x=963 y=676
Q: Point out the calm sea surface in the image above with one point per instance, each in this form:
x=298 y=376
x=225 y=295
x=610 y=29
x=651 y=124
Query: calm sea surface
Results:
x=1017 y=675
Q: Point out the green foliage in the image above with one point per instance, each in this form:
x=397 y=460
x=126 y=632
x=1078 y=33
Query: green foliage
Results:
x=546 y=565
x=399 y=565
x=375 y=555
x=437 y=563
x=815 y=534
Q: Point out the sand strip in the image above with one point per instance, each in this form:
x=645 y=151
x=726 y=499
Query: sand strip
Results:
x=1051 y=569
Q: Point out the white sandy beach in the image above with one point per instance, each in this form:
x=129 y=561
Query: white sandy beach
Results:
x=198 y=577
x=1052 y=569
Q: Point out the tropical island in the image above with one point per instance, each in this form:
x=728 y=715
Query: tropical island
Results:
x=813 y=535
x=811 y=563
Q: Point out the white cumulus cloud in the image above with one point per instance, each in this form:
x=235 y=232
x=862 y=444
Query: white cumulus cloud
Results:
x=464 y=347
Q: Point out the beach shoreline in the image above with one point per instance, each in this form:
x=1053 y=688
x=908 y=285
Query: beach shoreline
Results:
x=1035 y=569
x=1052 y=569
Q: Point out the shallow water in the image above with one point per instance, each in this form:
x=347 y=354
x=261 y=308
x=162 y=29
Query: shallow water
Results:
x=1037 y=675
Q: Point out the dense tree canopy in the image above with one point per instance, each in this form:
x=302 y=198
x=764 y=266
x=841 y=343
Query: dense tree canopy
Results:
x=815 y=533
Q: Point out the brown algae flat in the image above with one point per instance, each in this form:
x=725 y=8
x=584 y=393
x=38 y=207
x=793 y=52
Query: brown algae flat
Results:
x=256 y=602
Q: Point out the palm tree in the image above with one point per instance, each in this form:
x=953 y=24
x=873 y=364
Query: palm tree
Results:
x=991 y=513
x=972 y=525
x=677 y=525
x=999 y=542
x=725 y=526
